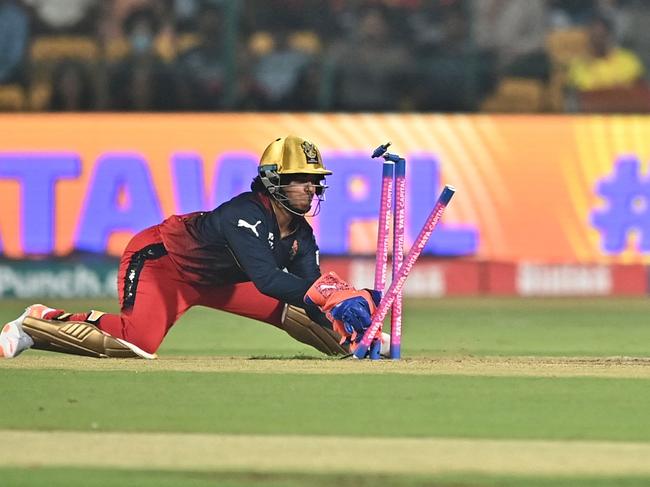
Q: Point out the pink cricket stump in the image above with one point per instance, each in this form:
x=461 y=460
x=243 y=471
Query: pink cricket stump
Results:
x=398 y=256
x=383 y=230
x=398 y=283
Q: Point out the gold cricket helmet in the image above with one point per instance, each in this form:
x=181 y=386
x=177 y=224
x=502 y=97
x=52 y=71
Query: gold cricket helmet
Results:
x=293 y=155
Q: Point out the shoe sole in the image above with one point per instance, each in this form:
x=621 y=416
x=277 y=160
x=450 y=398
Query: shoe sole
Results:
x=9 y=353
x=11 y=337
x=138 y=351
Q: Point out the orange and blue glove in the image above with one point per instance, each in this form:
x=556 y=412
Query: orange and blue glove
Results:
x=354 y=313
x=349 y=309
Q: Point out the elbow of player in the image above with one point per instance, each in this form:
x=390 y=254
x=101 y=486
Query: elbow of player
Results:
x=266 y=286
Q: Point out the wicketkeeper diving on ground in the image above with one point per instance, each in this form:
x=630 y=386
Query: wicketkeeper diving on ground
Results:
x=254 y=256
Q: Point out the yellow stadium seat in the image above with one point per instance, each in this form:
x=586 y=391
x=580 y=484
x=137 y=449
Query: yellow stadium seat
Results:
x=261 y=43
x=186 y=42
x=306 y=41
x=55 y=48
x=12 y=98
x=562 y=46
x=516 y=95
x=39 y=96
x=165 y=47
x=116 y=49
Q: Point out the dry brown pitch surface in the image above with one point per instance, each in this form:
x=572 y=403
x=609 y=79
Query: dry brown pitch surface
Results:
x=615 y=367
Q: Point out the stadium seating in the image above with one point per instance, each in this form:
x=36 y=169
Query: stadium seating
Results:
x=56 y=48
x=45 y=54
x=564 y=45
x=306 y=41
x=516 y=95
x=261 y=43
x=12 y=98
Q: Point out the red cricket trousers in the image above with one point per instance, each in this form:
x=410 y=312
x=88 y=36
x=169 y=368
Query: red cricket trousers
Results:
x=162 y=294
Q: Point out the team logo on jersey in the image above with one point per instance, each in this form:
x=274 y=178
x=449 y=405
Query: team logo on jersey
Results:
x=294 y=250
x=271 y=239
x=310 y=152
x=252 y=228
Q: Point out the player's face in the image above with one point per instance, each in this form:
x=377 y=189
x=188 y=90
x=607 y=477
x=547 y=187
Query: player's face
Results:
x=301 y=190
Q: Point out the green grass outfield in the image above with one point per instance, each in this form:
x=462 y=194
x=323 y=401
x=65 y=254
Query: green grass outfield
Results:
x=491 y=392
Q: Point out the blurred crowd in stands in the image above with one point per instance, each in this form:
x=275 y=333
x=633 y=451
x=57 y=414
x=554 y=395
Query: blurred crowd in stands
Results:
x=325 y=55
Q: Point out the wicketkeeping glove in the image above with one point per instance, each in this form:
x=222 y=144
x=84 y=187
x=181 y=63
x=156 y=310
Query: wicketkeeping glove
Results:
x=350 y=310
x=354 y=313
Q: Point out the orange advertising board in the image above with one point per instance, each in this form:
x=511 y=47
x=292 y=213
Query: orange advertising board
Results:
x=529 y=188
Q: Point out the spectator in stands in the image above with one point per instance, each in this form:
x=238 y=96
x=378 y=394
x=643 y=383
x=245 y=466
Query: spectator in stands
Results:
x=608 y=65
x=274 y=16
x=567 y=13
x=278 y=76
x=115 y=13
x=634 y=19
x=374 y=70
x=187 y=14
x=426 y=25
x=142 y=81
x=202 y=70
x=76 y=17
x=14 y=36
x=450 y=78
x=72 y=88
x=513 y=33
x=113 y=21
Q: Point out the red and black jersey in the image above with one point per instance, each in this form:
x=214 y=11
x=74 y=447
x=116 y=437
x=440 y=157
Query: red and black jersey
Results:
x=240 y=241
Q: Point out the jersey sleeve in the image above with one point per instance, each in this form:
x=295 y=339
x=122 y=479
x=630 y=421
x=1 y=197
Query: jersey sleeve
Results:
x=246 y=234
x=306 y=265
x=306 y=262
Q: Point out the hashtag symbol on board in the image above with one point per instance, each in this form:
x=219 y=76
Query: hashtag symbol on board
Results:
x=627 y=193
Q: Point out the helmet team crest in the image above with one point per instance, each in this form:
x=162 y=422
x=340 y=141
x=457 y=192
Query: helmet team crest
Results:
x=310 y=152
x=285 y=159
x=293 y=155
